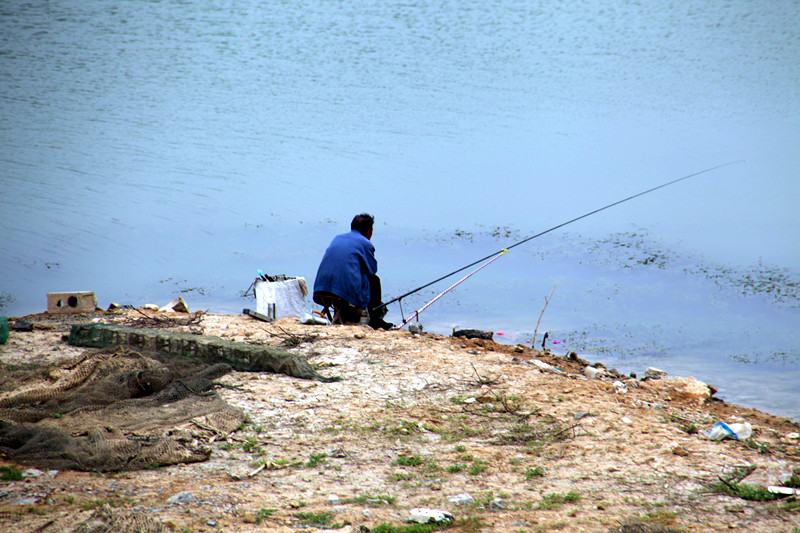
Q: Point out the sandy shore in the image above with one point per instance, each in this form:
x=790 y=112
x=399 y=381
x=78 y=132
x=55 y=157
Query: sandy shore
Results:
x=503 y=438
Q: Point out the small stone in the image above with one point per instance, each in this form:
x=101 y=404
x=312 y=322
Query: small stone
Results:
x=178 y=305
x=497 y=503
x=654 y=373
x=619 y=387
x=32 y=472
x=183 y=497
x=211 y=523
x=626 y=420
x=462 y=498
x=360 y=335
x=333 y=499
x=793 y=436
x=680 y=450
x=25 y=501
x=428 y=516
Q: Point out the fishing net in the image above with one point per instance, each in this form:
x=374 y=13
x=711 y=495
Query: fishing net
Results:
x=113 y=410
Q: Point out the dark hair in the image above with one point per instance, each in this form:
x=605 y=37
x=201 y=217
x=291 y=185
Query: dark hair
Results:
x=363 y=223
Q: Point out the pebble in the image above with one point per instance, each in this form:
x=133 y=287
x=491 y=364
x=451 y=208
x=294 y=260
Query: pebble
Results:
x=626 y=420
x=425 y=516
x=654 y=373
x=32 y=472
x=497 y=503
x=333 y=499
x=183 y=497
x=461 y=498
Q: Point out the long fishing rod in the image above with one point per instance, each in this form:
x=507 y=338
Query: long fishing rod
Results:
x=544 y=233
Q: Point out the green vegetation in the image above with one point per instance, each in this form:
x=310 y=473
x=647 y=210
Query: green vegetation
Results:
x=411 y=460
x=555 y=500
x=316 y=459
x=264 y=513
x=478 y=467
x=535 y=472
x=8 y=473
x=746 y=492
x=321 y=520
x=470 y=524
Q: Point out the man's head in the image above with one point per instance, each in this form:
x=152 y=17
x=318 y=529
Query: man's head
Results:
x=363 y=224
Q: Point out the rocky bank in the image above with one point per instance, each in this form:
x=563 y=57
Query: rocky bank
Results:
x=500 y=438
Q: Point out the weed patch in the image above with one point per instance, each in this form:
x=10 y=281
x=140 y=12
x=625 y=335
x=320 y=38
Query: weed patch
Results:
x=8 y=473
x=555 y=500
x=411 y=460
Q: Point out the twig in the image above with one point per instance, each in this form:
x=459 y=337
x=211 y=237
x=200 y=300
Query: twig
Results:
x=481 y=380
x=257 y=470
x=547 y=301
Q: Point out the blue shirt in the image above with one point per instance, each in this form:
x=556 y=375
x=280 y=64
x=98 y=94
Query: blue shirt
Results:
x=344 y=268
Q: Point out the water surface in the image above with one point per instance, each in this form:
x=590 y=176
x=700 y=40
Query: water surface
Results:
x=151 y=149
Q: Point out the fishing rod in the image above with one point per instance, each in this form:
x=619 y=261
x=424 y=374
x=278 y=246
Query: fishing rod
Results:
x=501 y=252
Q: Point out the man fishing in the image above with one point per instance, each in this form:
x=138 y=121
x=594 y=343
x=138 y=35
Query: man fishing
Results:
x=346 y=278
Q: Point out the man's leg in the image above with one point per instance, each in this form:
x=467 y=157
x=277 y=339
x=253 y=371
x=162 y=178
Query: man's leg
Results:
x=376 y=315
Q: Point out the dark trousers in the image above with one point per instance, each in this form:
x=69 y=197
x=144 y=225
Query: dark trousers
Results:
x=375 y=298
x=349 y=314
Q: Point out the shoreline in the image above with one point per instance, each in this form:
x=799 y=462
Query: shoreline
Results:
x=418 y=421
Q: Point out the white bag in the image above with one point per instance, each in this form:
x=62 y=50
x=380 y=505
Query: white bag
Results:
x=289 y=297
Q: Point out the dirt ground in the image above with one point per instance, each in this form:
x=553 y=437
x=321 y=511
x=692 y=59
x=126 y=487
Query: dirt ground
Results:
x=504 y=438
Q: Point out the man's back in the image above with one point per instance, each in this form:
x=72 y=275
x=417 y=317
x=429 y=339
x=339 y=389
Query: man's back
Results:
x=345 y=267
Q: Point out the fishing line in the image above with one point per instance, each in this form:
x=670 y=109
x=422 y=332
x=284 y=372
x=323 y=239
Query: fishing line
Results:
x=501 y=252
x=453 y=286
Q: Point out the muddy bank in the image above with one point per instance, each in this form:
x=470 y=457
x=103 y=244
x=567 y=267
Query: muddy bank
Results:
x=504 y=438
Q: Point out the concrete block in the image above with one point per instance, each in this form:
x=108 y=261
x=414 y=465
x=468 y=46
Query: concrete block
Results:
x=71 y=302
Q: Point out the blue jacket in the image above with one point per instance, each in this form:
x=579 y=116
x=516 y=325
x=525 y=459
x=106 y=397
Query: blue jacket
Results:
x=344 y=268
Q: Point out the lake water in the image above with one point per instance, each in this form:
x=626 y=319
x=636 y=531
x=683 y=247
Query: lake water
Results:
x=154 y=149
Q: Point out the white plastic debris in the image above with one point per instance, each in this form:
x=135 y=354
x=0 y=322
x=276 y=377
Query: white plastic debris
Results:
x=721 y=430
x=544 y=367
x=619 y=387
x=592 y=372
x=423 y=515
x=783 y=490
x=309 y=318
